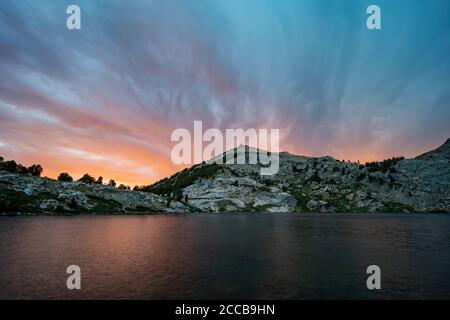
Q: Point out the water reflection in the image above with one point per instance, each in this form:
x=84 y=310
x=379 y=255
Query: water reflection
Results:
x=226 y=256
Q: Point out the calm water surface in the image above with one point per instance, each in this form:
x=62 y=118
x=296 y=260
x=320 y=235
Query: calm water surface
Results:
x=226 y=256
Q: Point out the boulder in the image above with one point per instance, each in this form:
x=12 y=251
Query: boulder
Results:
x=78 y=198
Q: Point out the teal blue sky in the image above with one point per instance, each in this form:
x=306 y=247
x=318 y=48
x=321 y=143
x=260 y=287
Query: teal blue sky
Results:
x=139 y=69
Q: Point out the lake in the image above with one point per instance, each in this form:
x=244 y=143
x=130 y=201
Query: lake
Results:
x=233 y=256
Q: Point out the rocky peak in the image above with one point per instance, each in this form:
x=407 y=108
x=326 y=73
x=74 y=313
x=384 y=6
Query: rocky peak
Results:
x=440 y=153
x=302 y=184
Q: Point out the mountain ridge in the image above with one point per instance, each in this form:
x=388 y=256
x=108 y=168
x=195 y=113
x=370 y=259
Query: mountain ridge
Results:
x=440 y=153
x=302 y=184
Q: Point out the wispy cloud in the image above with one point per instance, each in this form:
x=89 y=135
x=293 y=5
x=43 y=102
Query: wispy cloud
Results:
x=139 y=69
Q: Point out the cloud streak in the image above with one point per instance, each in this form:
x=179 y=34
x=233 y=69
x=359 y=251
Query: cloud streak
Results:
x=139 y=69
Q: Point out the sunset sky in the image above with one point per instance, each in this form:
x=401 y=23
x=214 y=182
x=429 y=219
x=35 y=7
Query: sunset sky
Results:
x=105 y=99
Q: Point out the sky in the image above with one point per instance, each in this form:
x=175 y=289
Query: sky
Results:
x=105 y=99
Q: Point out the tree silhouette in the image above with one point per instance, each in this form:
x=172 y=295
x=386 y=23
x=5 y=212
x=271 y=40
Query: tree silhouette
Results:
x=35 y=170
x=65 y=177
x=9 y=166
x=21 y=169
x=178 y=194
x=87 y=179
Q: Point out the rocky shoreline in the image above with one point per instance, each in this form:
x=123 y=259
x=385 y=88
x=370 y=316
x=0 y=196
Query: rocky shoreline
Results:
x=303 y=184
